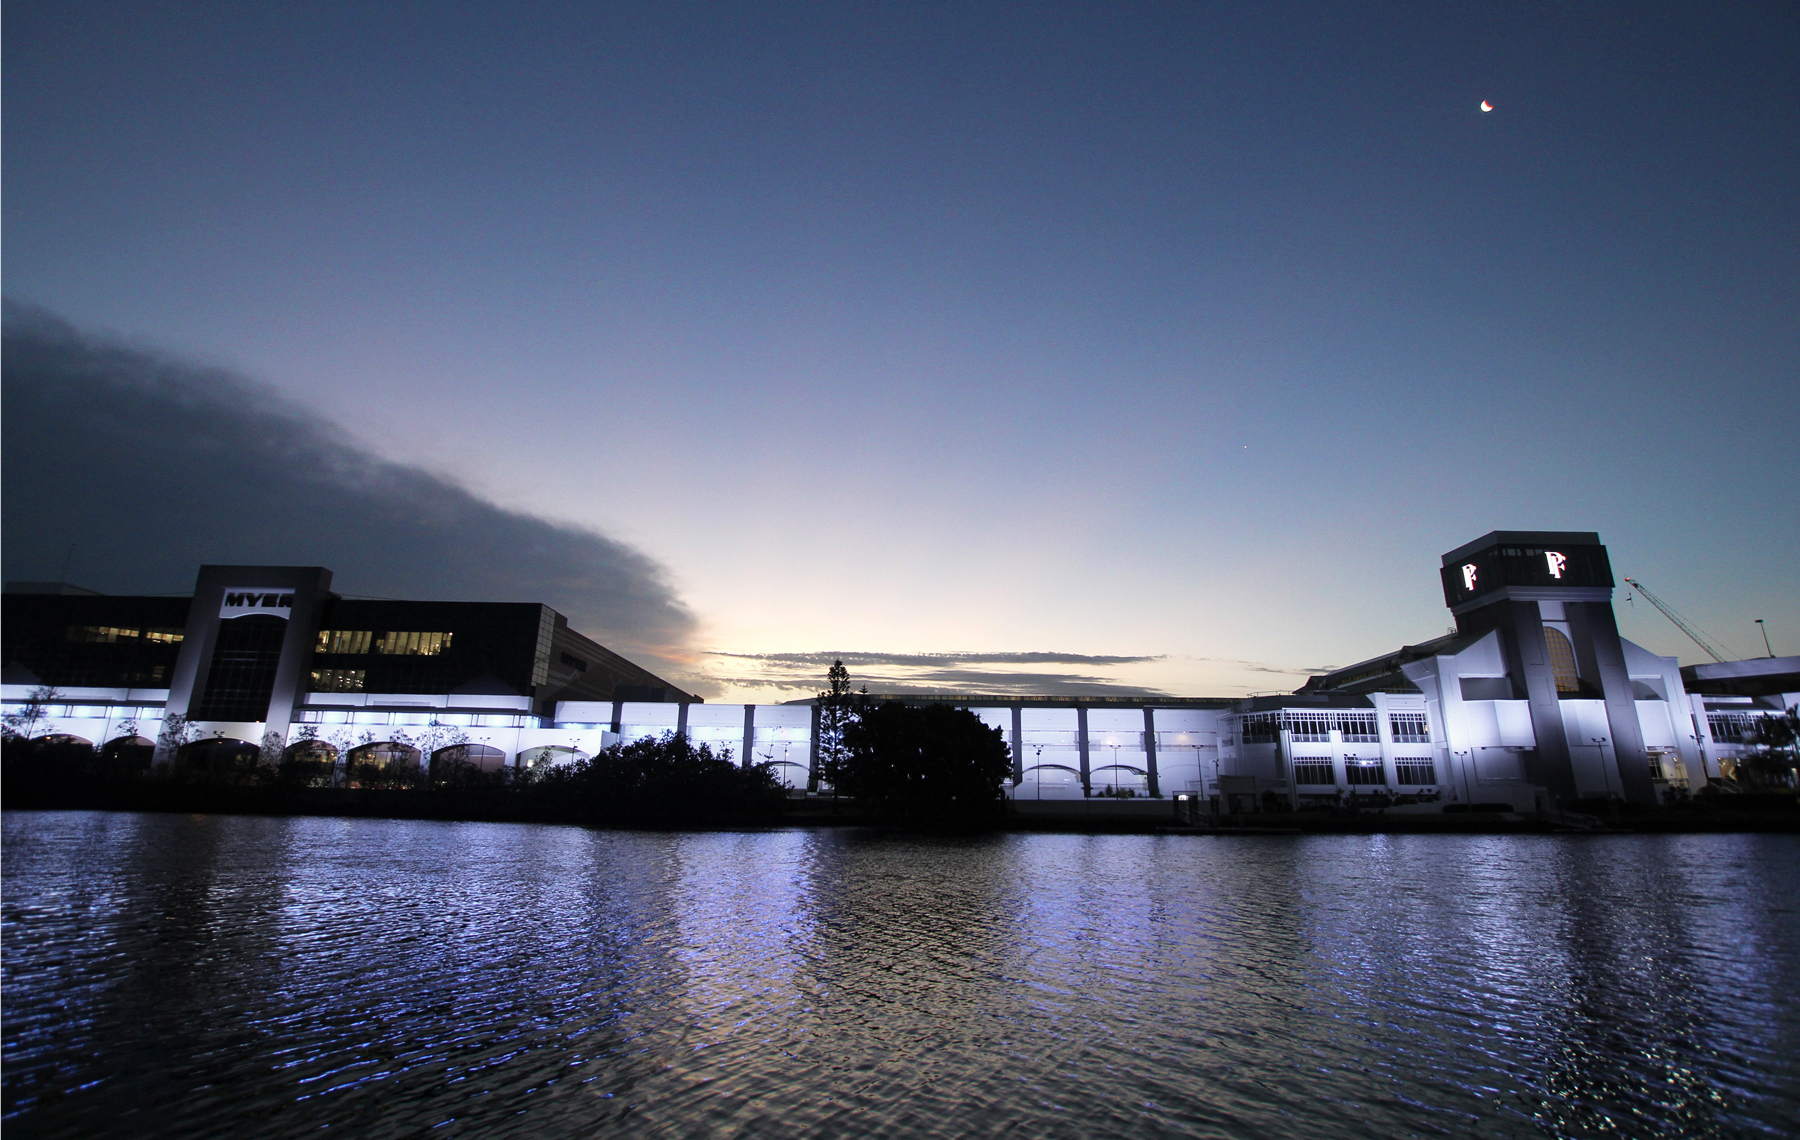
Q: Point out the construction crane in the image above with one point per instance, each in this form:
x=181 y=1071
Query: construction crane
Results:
x=1711 y=650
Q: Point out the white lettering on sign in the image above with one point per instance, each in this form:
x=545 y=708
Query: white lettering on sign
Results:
x=1556 y=561
x=1468 y=575
x=242 y=601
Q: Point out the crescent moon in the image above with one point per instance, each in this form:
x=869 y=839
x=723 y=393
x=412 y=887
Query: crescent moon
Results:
x=1486 y=106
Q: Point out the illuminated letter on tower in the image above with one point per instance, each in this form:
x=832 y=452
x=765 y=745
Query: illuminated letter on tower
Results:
x=1468 y=576
x=1556 y=561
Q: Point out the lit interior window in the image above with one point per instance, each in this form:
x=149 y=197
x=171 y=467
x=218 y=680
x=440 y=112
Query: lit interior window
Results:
x=345 y=640
x=1562 y=660
x=413 y=643
x=337 y=680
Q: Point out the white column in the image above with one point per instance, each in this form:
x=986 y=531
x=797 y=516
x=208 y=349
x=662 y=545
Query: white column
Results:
x=1384 y=731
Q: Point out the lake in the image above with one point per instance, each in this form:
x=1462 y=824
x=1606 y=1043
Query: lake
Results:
x=170 y=975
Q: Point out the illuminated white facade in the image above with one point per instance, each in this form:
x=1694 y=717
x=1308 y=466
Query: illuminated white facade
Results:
x=1308 y=750
x=1070 y=753
x=1137 y=750
x=1534 y=702
x=1488 y=735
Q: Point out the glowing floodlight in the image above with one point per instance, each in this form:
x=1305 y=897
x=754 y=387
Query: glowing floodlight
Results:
x=1486 y=106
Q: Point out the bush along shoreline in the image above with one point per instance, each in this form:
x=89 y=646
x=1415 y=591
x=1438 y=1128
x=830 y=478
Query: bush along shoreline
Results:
x=919 y=769
x=658 y=783
x=925 y=769
x=929 y=769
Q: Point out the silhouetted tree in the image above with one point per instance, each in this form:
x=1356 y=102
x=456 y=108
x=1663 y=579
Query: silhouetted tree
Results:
x=269 y=756
x=23 y=722
x=176 y=733
x=31 y=768
x=933 y=766
x=839 y=708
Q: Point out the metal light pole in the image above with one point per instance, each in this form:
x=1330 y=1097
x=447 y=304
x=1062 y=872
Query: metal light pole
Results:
x=1599 y=744
x=1765 y=632
x=1468 y=775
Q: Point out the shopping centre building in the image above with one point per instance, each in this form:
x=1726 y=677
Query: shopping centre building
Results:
x=268 y=656
x=1533 y=701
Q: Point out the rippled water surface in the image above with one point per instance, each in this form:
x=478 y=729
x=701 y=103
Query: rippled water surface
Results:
x=198 y=975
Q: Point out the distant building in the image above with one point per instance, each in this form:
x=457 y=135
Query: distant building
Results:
x=1730 y=697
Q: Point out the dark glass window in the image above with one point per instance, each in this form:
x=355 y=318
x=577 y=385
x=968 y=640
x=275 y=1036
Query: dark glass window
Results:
x=1410 y=728
x=1415 y=771
x=1313 y=772
x=242 y=675
x=1263 y=729
x=1308 y=725
x=98 y=640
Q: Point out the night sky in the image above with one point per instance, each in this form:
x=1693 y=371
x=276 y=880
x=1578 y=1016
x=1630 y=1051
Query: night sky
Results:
x=1009 y=348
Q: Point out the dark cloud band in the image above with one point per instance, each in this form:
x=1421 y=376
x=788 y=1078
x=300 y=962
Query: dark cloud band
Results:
x=152 y=466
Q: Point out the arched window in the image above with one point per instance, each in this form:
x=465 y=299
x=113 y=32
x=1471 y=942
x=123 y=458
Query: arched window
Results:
x=218 y=758
x=789 y=774
x=133 y=753
x=310 y=763
x=549 y=756
x=447 y=763
x=311 y=752
x=1562 y=660
x=1119 y=780
x=383 y=764
x=1049 y=782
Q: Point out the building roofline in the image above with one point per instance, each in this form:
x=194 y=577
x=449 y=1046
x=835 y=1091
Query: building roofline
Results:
x=1523 y=538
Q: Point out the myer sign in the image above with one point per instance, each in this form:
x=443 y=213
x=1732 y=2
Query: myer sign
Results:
x=274 y=601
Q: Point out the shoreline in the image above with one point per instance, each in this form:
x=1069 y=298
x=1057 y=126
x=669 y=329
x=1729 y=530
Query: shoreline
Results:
x=480 y=805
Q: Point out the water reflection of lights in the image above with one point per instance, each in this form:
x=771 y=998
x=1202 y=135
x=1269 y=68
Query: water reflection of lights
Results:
x=320 y=973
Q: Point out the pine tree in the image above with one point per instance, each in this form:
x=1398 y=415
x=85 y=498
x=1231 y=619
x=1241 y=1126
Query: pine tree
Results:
x=838 y=709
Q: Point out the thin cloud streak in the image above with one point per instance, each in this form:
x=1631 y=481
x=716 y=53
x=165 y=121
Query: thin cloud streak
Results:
x=803 y=673
x=851 y=659
x=973 y=682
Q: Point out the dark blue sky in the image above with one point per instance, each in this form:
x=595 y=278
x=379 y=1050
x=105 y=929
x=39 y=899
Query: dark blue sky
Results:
x=1194 y=332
